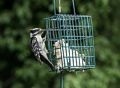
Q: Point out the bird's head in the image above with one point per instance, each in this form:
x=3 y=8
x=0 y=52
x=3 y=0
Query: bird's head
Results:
x=35 y=31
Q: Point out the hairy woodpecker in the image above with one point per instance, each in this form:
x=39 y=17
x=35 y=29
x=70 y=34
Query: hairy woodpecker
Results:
x=38 y=46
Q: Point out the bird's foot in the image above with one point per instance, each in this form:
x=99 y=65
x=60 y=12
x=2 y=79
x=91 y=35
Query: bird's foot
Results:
x=57 y=68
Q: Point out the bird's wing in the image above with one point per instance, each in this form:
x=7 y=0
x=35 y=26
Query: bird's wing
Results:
x=35 y=48
x=39 y=52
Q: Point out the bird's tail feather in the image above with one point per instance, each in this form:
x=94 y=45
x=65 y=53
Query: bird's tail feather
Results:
x=49 y=63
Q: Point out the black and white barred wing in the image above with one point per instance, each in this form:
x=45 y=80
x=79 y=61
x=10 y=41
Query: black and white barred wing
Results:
x=36 y=48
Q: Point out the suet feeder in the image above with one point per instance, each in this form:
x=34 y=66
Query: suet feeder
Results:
x=77 y=32
x=75 y=36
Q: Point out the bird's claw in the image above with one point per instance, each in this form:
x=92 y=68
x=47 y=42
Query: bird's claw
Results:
x=57 y=68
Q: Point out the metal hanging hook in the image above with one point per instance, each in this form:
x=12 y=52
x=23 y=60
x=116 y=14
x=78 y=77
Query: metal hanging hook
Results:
x=73 y=2
x=54 y=7
x=60 y=8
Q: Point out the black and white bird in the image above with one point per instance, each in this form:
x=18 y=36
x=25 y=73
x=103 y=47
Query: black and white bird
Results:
x=38 y=46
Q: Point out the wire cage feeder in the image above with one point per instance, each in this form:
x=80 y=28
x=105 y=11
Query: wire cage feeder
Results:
x=70 y=41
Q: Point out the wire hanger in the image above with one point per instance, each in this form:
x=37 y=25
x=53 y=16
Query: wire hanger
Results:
x=60 y=8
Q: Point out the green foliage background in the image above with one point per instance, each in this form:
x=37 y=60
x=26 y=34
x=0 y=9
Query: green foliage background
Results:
x=20 y=69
